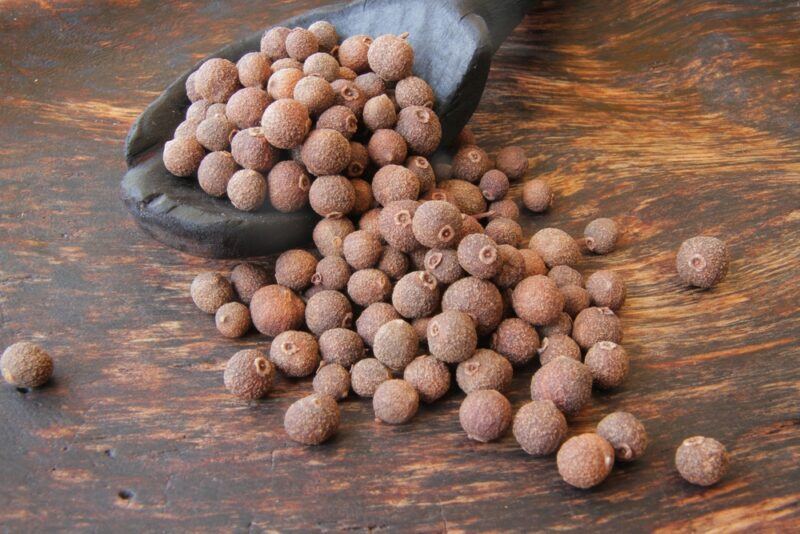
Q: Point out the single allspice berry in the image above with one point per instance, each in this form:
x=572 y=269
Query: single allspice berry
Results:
x=233 y=319
x=576 y=299
x=183 y=155
x=254 y=69
x=387 y=147
x=505 y=209
x=596 y=324
x=325 y=152
x=246 y=107
x=339 y=118
x=566 y=382
x=362 y=249
x=452 y=337
x=585 y=460
x=533 y=262
x=288 y=186
x=312 y=420
x=275 y=309
x=512 y=161
x=301 y=43
x=416 y=294
x=325 y=33
x=215 y=132
x=332 y=196
x=485 y=415
x=486 y=369
x=396 y=344
x=601 y=235
x=285 y=63
x=539 y=428
x=273 y=43
x=295 y=353
x=332 y=272
x=215 y=171
x=395 y=224
x=372 y=318
x=494 y=185
x=392 y=183
x=353 y=52
x=369 y=286
x=423 y=170
x=564 y=275
x=395 y=402
x=211 y=290
x=323 y=66
x=282 y=82
x=625 y=433
x=394 y=263
x=349 y=95
x=504 y=231
x=316 y=93
x=333 y=380
x=379 y=113
x=609 y=364
x=513 y=267
x=537 y=195
x=326 y=310
x=558 y=345
x=421 y=128
x=247 y=190
x=702 y=461
x=329 y=234
x=537 y=300
x=359 y=161
x=437 y=224
x=247 y=278
x=251 y=150
x=702 y=261
x=516 y=340
x=285 y=123
x=555 y=247
x=606 y=289
x=249 y=374
x=366 y=375
x=466 y=196
x=470 y=163
x=429 y=376
x=26 y=365
x=341 y=346
x=562 y=325
x=480 y=299
x=295 y=268
x=478 y=255
x=216 y=80
x=370 y=84
x=444 y=265
x=414 y=91
x=391 y=57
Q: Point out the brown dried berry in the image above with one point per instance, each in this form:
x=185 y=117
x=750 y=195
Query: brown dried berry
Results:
x=516 y=340
x=555 y=247
x=466 y=196
x=359 y=161
x=341 y=346
x=216 y=80
x=246 y=106
x=332 y=196
x=539 y=428
x=312 y=420
x=486 y=369
x=249 y=375
x=395 y=224
x=437 y=224
x=369 y=222
x=387 y=147
x=393 y=262
x=285 y=123
x=606 y=289
x=394 y=182
x=215 y=172
x=485 y=415
x=494 y=185
x=211 y=290
x=596 y=324
x=558 y=346
x=366 y=375
x=444 y=265
x=564 y=275
x=285 y=63
x=325 y=152
x=182 y=156
x=362 y=249
x=329 y=235
x=191 y=90
x=273 y=43
x=26 y=365
x=469 y=225
x=506 y=209
x=325 y=33
x=294 y=269
x=247 y=278
x=513 y=267
x=186 y=130
x=537 y=196
x=391 y=57
x=254 y=69
x=288 y=186
x=480 y=299
x=601 y=235
x=197 y=111
x=395 y=402
x=478 y=255
x=315 y=93
x=233 y=319
x=294 y=353
x=323 y=66
x=566 y=382
x=533 y=262
x=452 y=337
x=251 y=150
x=215 y=132
x=301 y=43
x=625 y=433
x=429 y=376
x=370 y=84
x=562 y=325
x=372 y=318
x=537 y=300
x=379 y=113
x=504 y=231
x=369 y=286
x=416 y=294
x=609 y=364
x=275 y=309
x=332 y=272
x=702 y=461
x=349 y=95
x=512 y=161
x=576 y=299
x=585 y=460
x=247 y=190
x=421 y=128
x=396 y=344
x=702 y=261
x=470 y=163
x=339 y=118
x=282 y=82
x=422 y=169
x=414 y=91
x=353 y=52
x=332 y=380
x=326 y=310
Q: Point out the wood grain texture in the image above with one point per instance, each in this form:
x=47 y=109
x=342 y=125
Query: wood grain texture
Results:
x=675 y=117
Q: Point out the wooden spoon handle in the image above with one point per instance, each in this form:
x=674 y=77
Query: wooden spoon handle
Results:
x=501 y=16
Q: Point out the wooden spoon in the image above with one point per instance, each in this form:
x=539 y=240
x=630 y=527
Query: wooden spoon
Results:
x=453 y=41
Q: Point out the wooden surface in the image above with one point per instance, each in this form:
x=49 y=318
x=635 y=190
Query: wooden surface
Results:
x=676 y=118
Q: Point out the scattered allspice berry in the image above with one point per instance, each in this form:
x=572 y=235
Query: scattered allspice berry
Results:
x=379 y=113
x=288 y=186
x=601 y=235
x=366 y=375
x=246 y=107
x=702 y=261
x=332 y=272
x=349 y=95
x=414 y=91
x=326 y=310
x=533 y=262
x=452 y=337
x=392 y=183
x=555 y=247
x=391 y=57
x=249 y=374
x=329 y=234
x=437 y=224
x=211 y=290
x=372 y=318
x=443 y=264
x=247 y=190
x=326 y=34
x=539 y=428
x=353 y=52
x=394 y=224
x=512 y=161
x=315 y=93
x=566 y=382
x=247 y=278
x=537 y=195
x=369 y=286
x=562 y=325
x=576 y=299
x=370 y=84
x=393 y=262
x=478 y=255
x=387 y=147
x=273 y=43
x=504 y=231
x=466 y=196
x=395 y=402
x=233 y=319
x=295 y=353
x=417 y=294
x=332 y=196
x=333 y=380
x=429 y=376
x=326 y=152
x=295 y=268
x=396 y=344
x=702 y=461
x=322 y=66
x=564 y=275
x=470 y=163
x=275 y=309
x=359 y=161
x=254 y=69
x=285 y=123
x=505 y=208
x=480 y=299
x=362 y=249
x=421 y=128
x=486 y=369
x=26 y=365
x=301 y=43
x=312 y=420
x=625 y=433
x=215 y=172
x=516 y=340
x=339 y=118
x=606 y=289
x=494 y=185
x=423 y=170
x=537 y=300
x=182 y=156
x=282 y=82
x=216 y=80
x=608 y=363
x=585 y=460
x=596 y=324
x=215 y=132
x=341 y=346
x=485 y=415
x=558 y=345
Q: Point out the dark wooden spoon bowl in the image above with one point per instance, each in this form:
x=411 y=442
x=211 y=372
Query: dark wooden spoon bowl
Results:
x=453 y=41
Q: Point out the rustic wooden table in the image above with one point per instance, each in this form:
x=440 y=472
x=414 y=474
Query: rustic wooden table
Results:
x=676 y=118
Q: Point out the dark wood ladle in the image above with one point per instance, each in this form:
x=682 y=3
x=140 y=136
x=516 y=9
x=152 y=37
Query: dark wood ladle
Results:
x=453 y=41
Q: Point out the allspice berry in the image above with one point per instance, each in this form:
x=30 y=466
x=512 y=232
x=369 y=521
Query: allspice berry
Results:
x=349 y=95
x=394 y=182
x=372 y=318
x=368 y=286
x=273 y=43
x=466 y=196
x=301 y=43
x=558 y=346
x=312 y=420
x=366 y=375
x=486 y=369
x=288 y=186
x=295 y=353
x=332 y=380
x=480 y=299
x=246 y=107
x=326 y=310
x=249 y=375
x=494 y=185
x=233 y=319
x=322 y=66
x=485 y=415
x=329 y=234
x=285 y=123
x=295 y=268
x=379 y=113
x=247 y=278
x=359 y=161
x=429 y=376
x=539 y=428
x=437 y=224
x=182 y=156
x=341 y=346
x=566 y=382
x=211 y=290
x=608 y=363
x=537 y=195
x=506 y=209
x=247 y=190
x=555 y=247
x=326 y=34
x=275 y=309
x=216 y=80
x=251 y=150
x=601 y=235
x=702 y=261
x=423 y=170
x=416 y=294
x=254 y=69
x=421 y=128
x=444 y=265
x=516 y=340
x=339 y=118
x=420 y=325
x=452 y=337
x=393 y=263
x=504 y=231
x=537 y=300
x=564 y=275
x=332 y=272
x=370 y=84
x=702 y=461
x=585 y=460
x=282 y=82
x=315 y=93
x=285 y=63
x=576 y=299
x=332 y=196
x=414 y=91
x=478 y=255
x=562 y=325
x=470 y=163
x=387 y=147
x=353 y=52
x=395 y=225
x=26 y=365
x=191 y=90
x=362 y=249
x=395 y=402
x=215 y=132
x=197 y=111
x=325 y=152
x=215 y=172
x=606 y=289
x=391 y=57
x=625 y=433
x=512 y=161
x=396 y=344
x=513 y=268
x=533 y=262
x=596 y=324
x=369 y=222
